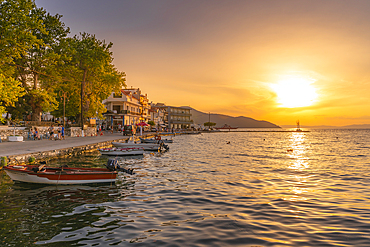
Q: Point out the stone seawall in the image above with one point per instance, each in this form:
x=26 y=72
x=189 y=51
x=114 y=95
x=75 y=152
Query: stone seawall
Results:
x=73 y=150
x=47 y=155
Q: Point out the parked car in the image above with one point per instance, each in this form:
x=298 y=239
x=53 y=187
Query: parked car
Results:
x=127 y=130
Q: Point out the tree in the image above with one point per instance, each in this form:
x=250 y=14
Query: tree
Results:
x=38 y=69
x=37 y=61
x=151 y=123
x=16 y=37
x=91 y=69
x=10 y=91
x=209 y=124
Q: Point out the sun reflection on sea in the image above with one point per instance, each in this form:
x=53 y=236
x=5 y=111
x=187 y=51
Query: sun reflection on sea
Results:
x=298 y=163
x=297 y=152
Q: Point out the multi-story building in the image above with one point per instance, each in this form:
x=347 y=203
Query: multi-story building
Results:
x=128 y=107
x=175 y=117
x=157 y=115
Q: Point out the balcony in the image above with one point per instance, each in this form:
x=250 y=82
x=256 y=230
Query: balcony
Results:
x=181 y=114
x=182 y=121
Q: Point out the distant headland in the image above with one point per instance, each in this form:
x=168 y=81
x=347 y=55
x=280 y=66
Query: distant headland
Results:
x=220 y=120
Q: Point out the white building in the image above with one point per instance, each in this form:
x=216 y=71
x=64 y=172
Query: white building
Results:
x=128 y=107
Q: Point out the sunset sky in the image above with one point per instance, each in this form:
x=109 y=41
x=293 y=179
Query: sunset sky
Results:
x=270 y=60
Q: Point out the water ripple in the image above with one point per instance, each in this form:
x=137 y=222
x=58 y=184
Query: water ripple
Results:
x=262 y=189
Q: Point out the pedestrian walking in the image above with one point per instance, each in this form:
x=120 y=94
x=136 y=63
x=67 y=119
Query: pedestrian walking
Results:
x=36 y=135
x=51 y=132
x=62 y=132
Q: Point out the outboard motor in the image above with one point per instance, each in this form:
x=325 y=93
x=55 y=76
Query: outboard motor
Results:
x=162 y=145
x=112 y=165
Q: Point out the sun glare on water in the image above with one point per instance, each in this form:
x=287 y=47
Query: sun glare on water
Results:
x=295 y=92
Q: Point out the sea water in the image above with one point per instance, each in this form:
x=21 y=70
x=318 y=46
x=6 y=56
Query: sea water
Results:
x=213 y=189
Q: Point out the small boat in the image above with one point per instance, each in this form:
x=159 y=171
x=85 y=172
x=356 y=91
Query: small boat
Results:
x=227 y=127
x=120 y=151
x=144 y=146
x=131 y=143
x=59 y=175
x=298 y=126
x=155 y=140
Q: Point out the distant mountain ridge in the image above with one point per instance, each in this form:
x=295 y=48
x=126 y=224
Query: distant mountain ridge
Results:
x=353 y=126
x=220 y=120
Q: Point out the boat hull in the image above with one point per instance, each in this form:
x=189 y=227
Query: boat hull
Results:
x=145 y=146
x=60 y=176
x=121 y=151
x=155 y=141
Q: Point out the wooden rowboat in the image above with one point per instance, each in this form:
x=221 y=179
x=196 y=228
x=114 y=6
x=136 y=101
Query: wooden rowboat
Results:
x=61 y=175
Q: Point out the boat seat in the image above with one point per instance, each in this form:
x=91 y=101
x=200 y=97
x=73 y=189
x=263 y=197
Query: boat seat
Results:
x=38 y=169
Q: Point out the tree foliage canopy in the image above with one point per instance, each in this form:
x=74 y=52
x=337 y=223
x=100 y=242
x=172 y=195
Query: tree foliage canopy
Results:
x=209 y=124
x=39 y=63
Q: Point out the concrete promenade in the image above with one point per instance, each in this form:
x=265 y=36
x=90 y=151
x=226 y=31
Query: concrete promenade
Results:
x=32 y=146
x=43 y=149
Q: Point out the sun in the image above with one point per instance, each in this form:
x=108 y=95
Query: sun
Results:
x=295 y=91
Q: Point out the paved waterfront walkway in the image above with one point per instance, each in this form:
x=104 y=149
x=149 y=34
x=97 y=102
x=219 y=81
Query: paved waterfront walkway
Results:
x=31 y=146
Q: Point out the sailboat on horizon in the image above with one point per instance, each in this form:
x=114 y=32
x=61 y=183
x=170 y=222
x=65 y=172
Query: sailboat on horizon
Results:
x=298 y=126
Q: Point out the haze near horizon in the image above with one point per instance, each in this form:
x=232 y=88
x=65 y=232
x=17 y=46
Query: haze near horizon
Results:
x=277 y=61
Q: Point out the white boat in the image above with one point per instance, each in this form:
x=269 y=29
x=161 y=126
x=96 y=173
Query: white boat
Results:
x=120 y=151
x=145 y=146
x=131 y=143
x=155 y=140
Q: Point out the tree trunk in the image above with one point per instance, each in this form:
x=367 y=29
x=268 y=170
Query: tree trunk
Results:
x=82 y=96
x=36 y=114
x=35 y=80
x=35 y=103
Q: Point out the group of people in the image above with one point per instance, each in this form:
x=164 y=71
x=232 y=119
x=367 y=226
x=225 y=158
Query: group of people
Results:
x=56 y=133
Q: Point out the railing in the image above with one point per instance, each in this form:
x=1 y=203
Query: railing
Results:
x=182 y=121
x=181 y=114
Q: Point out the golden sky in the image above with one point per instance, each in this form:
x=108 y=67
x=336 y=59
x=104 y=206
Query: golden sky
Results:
x=270 y=60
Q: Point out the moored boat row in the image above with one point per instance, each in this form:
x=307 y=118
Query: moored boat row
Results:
x=40 y=174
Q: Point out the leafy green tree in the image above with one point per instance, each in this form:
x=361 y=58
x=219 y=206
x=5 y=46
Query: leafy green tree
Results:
x=39 y=68
x=38 y=61
x=209 y=124
x=16 y=37
x=151 y=123
x=91 y=73
x=10 y=91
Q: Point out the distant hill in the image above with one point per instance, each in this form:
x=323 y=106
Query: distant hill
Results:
x=354 y=126
x=220 y=120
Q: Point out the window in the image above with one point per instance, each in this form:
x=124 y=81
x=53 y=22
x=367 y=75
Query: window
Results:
x=117 y=95
x=116 y=108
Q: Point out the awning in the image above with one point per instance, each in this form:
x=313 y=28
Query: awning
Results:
x=142 y=124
